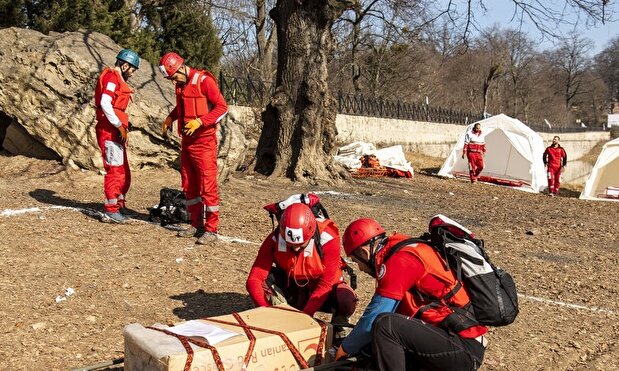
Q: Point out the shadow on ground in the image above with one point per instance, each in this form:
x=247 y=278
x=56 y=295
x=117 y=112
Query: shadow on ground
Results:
x=91 y=209
x=200 y=304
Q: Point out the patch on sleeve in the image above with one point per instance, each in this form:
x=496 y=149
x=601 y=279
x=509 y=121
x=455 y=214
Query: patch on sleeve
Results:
x=382 y=271
x=110 y=86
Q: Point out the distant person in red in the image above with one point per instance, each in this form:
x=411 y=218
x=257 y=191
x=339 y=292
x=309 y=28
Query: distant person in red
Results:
x=200 y=106
x=290 y=266
x=555 y=159
x=112 y=96
x=474 y=149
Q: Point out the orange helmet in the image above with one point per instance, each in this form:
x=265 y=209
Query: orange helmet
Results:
x=297 y=224
x=359 y=233
x=170 y=63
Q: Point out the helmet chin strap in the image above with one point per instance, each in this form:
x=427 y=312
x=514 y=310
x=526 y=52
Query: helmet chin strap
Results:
x=378 y=242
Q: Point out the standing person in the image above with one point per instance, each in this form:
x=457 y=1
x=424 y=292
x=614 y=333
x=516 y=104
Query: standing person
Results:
x=474 y=149
x=300 y=260
x=555 y=159
x=200 y=106
x=112 y=96
x=407 y=329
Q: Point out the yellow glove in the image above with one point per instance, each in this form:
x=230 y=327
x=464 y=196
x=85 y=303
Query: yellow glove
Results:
x=166 y=126
x=192 y=126
x=341 y=353
x=123 y=133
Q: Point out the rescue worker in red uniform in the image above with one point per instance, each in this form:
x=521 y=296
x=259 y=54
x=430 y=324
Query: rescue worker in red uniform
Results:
x=555 y=159
x=290 y=266
x=200 y=106
x=112 y=96
x=474 y=149
x=405 y=331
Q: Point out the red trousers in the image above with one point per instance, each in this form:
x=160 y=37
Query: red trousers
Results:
x=199 y=180
x=476 y=164
x=117 y=179
x=554 y=179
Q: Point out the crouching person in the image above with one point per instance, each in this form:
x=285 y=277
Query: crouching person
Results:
x=406 y=328
x=300 y=263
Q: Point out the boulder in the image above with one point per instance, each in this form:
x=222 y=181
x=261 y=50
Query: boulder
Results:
x=47 y=103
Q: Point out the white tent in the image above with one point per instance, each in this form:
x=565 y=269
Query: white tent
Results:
x=603 y=183
x=514 y=154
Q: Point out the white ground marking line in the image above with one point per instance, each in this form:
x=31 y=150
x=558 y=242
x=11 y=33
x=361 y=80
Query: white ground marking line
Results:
x=333 y=193
x=567 y=305
x=95 y=213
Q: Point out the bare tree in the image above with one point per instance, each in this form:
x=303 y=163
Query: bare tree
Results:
x=298 y=137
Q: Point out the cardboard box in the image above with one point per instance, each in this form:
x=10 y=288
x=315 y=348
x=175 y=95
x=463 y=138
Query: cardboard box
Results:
x=150 y=349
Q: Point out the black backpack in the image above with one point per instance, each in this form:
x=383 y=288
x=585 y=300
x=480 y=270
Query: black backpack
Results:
x=313 y=201
x=494 y=299
x=171 y=209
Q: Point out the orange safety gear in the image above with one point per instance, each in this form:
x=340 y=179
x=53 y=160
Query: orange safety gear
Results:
x=360 y=232
x=434 y=266
x=170 y=63
x=297 y=225
x=192 y=126
x=120 y=100
x=308 y=264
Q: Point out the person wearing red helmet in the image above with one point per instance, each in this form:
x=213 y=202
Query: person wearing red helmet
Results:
x=474 y=150
x=407 y=329
x=300 y=262
x=200 y=106
x=112 y=96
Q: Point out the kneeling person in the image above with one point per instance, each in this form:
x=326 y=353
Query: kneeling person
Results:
x=300 y=262
x=407 y=328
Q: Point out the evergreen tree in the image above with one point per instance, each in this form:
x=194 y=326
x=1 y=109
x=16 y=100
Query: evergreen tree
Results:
x=12 y=13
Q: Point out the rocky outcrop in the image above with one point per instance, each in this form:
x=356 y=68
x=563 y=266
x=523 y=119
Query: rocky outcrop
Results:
x=46 y=95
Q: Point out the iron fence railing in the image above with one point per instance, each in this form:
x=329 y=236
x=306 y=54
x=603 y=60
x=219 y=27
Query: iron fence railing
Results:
x=359 y=105
x=245 y=91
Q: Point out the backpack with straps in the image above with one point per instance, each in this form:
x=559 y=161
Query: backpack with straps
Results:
x=492 y=291
x=171 y=209
x=313 y=201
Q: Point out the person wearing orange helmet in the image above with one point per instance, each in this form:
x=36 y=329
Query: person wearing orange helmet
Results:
x=299 y=262
x=408 y=328
x=112 y=96
x=200 y=106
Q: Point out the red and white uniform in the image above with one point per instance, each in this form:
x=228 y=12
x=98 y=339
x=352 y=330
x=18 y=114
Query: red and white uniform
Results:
x=419 y=268
x=555 y=158
x=112 y=96
x=305 y=270
x=474 y=149
x=201 y=99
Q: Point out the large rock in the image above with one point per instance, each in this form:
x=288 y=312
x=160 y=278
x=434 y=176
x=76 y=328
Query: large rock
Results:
x=46 y=96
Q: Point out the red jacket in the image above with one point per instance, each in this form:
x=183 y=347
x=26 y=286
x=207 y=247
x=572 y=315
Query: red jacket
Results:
x=305 y=268
x=555 y=157
x=474 y=143
x=199 y=98
x=419 y=269
x=121 y=95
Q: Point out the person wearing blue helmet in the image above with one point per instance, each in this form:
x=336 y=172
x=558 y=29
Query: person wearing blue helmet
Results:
x=112 y=96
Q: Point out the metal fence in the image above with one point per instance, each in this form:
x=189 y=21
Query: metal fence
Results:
x=245 y=91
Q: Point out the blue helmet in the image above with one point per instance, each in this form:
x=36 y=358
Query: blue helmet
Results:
x=129 y=56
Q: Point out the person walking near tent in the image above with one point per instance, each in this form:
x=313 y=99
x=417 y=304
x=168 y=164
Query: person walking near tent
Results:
x=200 y=106
x=474 y=149
x=299 y=263
x=406 y=328
x=555 y=159
x=112 y=96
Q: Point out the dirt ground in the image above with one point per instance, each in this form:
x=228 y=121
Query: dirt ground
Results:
x=562 y=252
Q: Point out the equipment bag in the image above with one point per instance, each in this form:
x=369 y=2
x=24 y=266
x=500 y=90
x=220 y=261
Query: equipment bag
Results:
x=313 y=201
x=494 y=300
x=171 y=209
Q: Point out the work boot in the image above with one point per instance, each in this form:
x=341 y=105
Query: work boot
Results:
x=191 y=231
x=115 y=217
x=207 y=238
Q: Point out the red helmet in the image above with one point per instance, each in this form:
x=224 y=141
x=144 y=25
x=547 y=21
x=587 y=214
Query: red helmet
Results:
x=359 y=232
x=297 y=224
x=170 y=63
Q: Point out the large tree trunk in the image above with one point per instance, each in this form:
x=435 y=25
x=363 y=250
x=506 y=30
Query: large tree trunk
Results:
x=298 y=137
